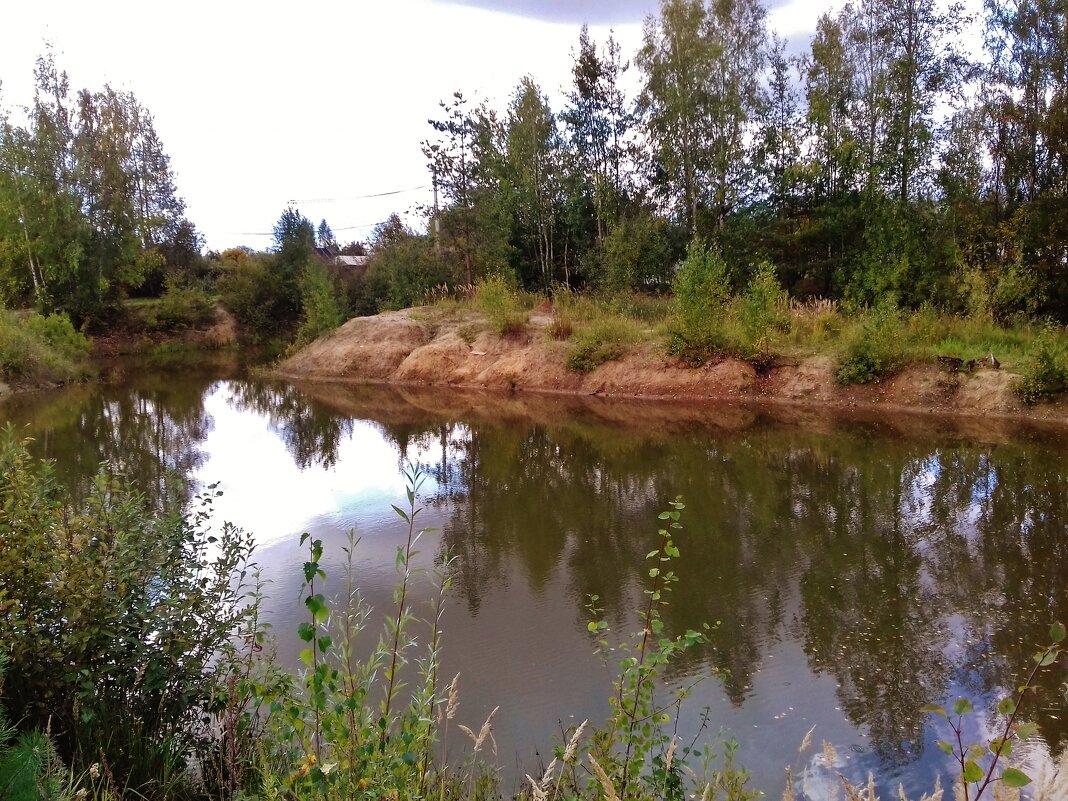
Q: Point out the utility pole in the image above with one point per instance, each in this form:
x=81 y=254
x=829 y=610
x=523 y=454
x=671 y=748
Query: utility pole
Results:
x=437 y=220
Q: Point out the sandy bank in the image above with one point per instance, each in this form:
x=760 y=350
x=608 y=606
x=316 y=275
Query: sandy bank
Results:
x=422 y=347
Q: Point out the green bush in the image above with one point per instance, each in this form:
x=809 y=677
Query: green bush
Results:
x=702 y=292
x=1046 y=375
x=497 y=299
x=182 y=305
x=112 y=618
x=321 y=304
x=37 y=349
x=764 y=311
x=877 y=348
x=638 y=254
x=600 y=341
x=261 y=299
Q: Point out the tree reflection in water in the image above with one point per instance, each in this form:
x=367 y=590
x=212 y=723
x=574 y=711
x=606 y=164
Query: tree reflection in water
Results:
x=907 y=566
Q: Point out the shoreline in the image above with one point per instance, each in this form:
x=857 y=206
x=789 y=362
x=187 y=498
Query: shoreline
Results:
x=409 y=349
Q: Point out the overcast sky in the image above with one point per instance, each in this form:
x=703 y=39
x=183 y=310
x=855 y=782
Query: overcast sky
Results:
x=323 y=103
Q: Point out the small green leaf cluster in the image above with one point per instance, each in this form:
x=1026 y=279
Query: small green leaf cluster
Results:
x=978 y=763
x=497 y=299
x=877 y=349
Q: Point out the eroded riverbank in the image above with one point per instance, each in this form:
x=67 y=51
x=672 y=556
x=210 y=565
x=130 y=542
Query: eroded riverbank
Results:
x=416 y=347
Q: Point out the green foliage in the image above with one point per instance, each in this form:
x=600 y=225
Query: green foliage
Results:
x=403 y=268
x=978 y=763
x=36 y=349
x=321 y=304
x=764 y=310
x=350 y=727
x=258 y=297
x=30 y=770
x=702 y=291
x=1045 y=376
x=112 y=617
x=603 y=340
x=497 y=299
x=182 y=305
x=877 y=348
x=638 y=254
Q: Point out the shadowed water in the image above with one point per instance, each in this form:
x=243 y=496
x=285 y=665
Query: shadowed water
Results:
x=857 y=568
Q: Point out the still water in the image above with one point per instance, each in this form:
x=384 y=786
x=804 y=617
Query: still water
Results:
x=857 y=568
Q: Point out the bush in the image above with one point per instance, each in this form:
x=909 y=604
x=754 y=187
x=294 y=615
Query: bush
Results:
x=702 y=291
x=500 y=303
x=319 y=299
x=600 y=341
x=35 y=349
x=182 y=305
x=638 y=255
x=877 y=349
x=1046 y=375
x=764 y=311
x=112 y=618
x=265 y=304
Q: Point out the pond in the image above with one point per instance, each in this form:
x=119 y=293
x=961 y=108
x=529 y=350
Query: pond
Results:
x=852 y=568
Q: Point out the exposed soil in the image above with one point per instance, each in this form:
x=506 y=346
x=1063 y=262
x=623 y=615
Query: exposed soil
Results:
x=423 y=347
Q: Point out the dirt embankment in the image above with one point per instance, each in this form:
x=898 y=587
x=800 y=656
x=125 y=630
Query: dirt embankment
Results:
x=419 y=347
x=219 y=332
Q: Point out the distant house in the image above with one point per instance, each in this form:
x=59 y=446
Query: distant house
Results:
x=345 y=266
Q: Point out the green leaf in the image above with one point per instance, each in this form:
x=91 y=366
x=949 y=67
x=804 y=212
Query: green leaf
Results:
x=934 y=709
x=1015 y=778
x=306 y=631
x=307 y=657
x=310 y=569
x=1046 y=658
x=1007 y=706
x=325 y=642
x=1001 y=747
x=945 y=747
x=972 y=772
x=1025 y=731
x=1057 y=632
x=962 y=706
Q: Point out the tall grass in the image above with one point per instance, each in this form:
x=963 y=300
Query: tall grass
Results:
x=37 y=349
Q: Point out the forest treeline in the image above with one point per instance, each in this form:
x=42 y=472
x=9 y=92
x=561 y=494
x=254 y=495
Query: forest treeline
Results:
x=909 y=151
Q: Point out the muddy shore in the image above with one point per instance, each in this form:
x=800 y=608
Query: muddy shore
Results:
x=418 y=347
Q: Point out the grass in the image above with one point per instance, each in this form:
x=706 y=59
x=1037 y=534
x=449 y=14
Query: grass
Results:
x=36 y=350
x=762 y=326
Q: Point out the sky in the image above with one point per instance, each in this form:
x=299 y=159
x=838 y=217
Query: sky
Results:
x=324 y=104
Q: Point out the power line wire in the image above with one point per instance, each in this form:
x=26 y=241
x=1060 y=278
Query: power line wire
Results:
x=357 y=197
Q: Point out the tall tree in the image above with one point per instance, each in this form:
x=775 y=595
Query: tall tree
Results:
x=598 y=123
x=532 y=159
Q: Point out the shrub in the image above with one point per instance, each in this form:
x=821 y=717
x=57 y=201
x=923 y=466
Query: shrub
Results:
x=321 y=306
x=260 y=298
x=702 y=291
x=638 y=254
x=1046 y=375
x=878 y=347
x=182 y=305
x=498 y=300
x=112 y=617
x=764 y=311
x=34 y=348
x=600 y=341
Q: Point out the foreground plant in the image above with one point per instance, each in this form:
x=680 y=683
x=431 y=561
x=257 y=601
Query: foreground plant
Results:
x=351 y=727
x=633 y=755
x=974 y=778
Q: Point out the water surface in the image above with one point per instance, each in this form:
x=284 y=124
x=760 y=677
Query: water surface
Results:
x=855 y=569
